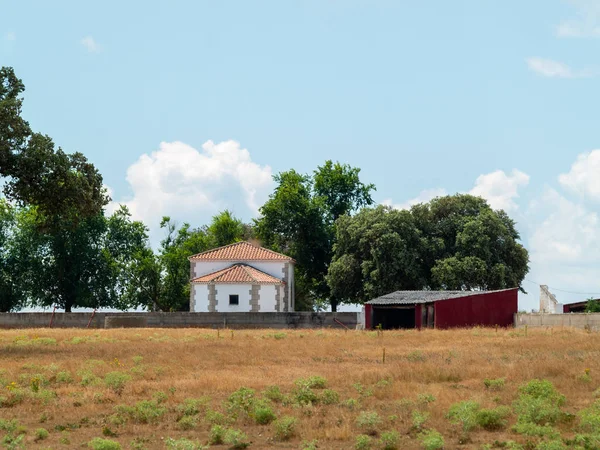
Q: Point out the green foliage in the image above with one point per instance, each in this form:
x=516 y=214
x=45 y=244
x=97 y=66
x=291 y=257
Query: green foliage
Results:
x=217 y=435
x=263 y=414
x=368 y=422
x=493 y=419
x=145 y=411
x=363 y=442
x=116 y=381
x=431 y=440
x=539 y=403
x=419 y=418
x=236 y=439
x=533 y=429
x=103 y=444
x=314 y=382
x=299 y=219
x=390 y=440
x=285 y=428
x=273 y=393
x=64 y=377
x=41 y=434
x=187 y=423
x=589 y=418
x=191 y=406
x=184 y=444
x=465 y=414
x=310 y=445
x=556 y=444
x=215 y=418
x=496 y=384
x=241 y=402
x=452 y=242
x=330 y=397
x=592 y=306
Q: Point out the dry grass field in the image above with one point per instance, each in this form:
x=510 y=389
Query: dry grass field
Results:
x=305 y=389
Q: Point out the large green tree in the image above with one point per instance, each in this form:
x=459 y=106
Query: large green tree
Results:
x=12 y=298
x=299 y=220
x=452 y=243
x=57 y=184
x=80 y=263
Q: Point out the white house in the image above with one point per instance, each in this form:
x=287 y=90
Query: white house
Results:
x=241 y=277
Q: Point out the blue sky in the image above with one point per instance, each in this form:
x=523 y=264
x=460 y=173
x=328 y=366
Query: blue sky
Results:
x=189 y=107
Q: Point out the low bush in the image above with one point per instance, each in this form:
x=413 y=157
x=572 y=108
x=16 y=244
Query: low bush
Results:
x=103 y=444
x=330 y=397
x=187 y=423
x=116 y=381
x=184 y=444
x=390 y=440
x=464 y=414
x=41 y=434
x=314 y=382
x=285 y=428
x=145 y=411
x=431 y=440
x=493 y=419
x=368 y=422
x=494 y=384
x=236 y=439
x=273 y=393
x=363 y=442
x=263 y=415
x=190 y=406
x=217 y=435
x=419 y=418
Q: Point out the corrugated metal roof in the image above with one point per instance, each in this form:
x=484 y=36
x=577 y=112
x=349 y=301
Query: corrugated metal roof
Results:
x=240 y=251
x=413 y=297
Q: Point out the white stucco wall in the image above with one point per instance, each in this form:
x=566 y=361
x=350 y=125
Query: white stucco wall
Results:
x=201 y=297
x=223 y=292
x=274 y=268
x=267 y=298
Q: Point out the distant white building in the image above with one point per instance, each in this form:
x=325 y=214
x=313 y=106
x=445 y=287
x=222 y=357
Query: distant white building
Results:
x=548 y=302
x=241 y=277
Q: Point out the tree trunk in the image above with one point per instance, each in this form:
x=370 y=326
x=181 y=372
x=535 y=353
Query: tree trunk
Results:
x=334 y=304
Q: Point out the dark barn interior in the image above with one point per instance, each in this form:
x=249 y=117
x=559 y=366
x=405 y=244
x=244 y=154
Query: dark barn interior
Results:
x=394 y=317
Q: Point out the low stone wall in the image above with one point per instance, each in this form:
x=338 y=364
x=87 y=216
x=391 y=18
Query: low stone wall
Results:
x=576 y=320
x=180 y=320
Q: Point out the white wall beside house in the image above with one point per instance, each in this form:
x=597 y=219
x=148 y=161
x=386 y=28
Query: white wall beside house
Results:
x=200 y=297
x=223 y=292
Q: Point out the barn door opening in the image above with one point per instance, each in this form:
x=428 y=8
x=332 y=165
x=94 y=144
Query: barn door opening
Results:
x=428 y=316
x=394 y=317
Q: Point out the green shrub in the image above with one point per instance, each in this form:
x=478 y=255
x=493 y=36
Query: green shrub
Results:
x=493 y=419
x=10 y=426
x=263 y=415
x=145 y=411
x=187 y=423
x=431 y=440
x=41 y=434
x=88 y=378
x=191 y=406
x=160 y=397
x=551 y=445
x=532 y=429
x=465 y=414
x=543 y=389
x=215 y=418
x=368 y=422
x=11 y=442
x=116 y=381
x=103 y=444
x=330 y=397
x=236 y=439
x=589 y=418
x=310 y=445
x=285 y=428
x=273 y=393
x=539 y=403
x=303 y=395
x=390 y=440
x=494 y=384
x=363 y=442
x=314 y=382
x=64 y=377
x=217 y=435
x=240 y=402
x=184 y=444
x=425 y=398
x=351 y=403
x=419 y=418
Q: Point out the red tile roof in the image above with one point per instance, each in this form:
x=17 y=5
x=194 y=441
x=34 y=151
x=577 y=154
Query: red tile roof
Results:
x=238 y=273
x=240 y=251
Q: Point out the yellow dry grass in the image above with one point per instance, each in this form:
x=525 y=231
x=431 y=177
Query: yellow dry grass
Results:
x=192 y=363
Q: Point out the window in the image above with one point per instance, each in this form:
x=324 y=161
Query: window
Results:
x=234 y=299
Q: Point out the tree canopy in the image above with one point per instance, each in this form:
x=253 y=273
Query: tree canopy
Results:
x=299 y=218
x=451 y=243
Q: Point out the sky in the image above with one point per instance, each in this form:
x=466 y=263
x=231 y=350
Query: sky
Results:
x=189 y=107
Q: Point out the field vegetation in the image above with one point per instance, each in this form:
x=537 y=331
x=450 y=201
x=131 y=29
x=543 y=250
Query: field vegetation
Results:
x=299 y=389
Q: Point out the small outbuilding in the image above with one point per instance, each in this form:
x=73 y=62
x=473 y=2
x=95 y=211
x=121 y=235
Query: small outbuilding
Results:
x=442 y=309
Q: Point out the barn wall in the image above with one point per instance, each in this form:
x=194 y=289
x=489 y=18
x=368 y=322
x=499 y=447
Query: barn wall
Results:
x=418 y=316
x=487 y=309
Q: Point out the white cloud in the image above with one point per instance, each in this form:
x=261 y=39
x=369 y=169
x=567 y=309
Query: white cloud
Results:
x=423 y=197
x=583 y=177
x=555 y=69
x=90 y=44
x=586 y=23
x=11 y=36
x=190 y=185
x=500 y=189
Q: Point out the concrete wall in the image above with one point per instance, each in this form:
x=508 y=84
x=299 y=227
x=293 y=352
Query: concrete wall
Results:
x=185 y=319
x=579 y=320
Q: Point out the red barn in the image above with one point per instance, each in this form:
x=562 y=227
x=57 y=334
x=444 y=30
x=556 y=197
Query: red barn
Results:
x=442 y=309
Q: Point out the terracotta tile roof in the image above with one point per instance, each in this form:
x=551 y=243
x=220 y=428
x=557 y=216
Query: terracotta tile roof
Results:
x=238 y=273
x=240 y=251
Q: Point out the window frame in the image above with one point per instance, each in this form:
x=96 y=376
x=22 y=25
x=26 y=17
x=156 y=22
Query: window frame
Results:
x=237 y=299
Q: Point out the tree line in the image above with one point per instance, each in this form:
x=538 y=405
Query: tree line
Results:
x=58 y=246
